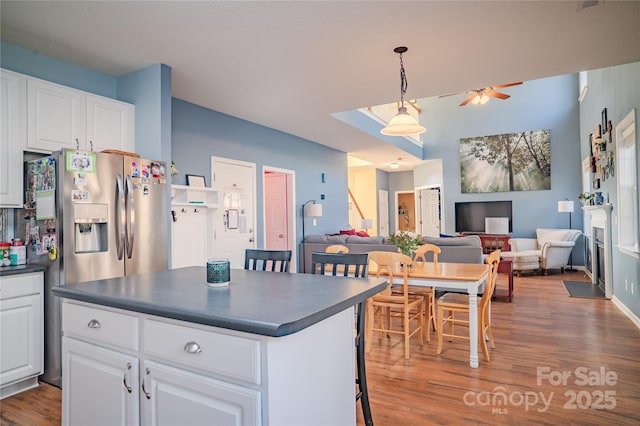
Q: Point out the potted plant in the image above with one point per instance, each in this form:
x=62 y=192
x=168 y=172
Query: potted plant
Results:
x=406 y=241
x=586 y=198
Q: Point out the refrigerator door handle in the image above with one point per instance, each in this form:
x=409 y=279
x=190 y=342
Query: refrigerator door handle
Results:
x=131 y=215
x=120 y=213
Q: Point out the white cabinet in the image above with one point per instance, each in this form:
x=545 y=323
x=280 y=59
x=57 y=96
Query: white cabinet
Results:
x=103 y=387
x=192 y=399
x=192 y=225
x=110 y=124
x=21 y=332
x=13 y=129
x=61 y=117
x=174 y=375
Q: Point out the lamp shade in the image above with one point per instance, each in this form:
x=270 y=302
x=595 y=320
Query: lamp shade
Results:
x=366 y=223
x=565 y=206
x=403 y=124
x=313 y=210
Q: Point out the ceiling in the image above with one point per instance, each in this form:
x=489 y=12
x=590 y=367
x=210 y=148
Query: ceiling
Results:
x=289 y=64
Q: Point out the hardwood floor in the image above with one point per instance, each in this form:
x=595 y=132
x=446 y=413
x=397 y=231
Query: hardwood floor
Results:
x=543 y=329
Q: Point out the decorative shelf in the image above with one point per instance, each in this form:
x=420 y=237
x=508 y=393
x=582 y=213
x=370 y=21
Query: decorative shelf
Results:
x=183 y=195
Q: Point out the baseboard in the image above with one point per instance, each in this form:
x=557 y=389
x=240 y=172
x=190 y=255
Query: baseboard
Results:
x=634 y=319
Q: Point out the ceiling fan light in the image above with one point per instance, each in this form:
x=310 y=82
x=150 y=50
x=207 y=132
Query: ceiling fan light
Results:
x=480 y=99
x=403 y=124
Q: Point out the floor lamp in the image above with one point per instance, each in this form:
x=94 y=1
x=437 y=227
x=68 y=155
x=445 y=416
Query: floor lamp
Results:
x=566 y=206
x=310 y=209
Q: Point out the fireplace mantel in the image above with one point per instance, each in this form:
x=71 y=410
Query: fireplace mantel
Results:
x=601 y=218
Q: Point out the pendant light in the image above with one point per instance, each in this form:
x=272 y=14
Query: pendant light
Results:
x=402 y=124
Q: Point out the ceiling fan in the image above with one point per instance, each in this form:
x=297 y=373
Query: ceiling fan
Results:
x=481 y=96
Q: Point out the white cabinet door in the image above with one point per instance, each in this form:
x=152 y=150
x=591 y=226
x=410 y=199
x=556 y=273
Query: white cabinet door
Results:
x=13 y=134
x=56 y=116
x=178 y=397
x=20 y=337
x=100 y=386
x=110 y=124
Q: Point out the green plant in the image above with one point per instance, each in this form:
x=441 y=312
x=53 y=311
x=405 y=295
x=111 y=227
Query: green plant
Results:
x=585 y=197
x=406 y=241
x=174 y=171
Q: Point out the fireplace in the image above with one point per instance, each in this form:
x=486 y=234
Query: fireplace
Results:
x=601 y=247
x=599 y=255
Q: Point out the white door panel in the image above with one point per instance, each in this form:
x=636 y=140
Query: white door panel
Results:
x=234 y=221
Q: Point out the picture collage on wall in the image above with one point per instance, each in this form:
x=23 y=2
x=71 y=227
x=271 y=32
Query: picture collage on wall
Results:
x=602 y=153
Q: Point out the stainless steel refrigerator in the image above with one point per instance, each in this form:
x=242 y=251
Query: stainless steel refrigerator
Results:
x=105 y=214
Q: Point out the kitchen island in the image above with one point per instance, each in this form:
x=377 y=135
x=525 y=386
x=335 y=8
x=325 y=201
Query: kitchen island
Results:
x=270 y=348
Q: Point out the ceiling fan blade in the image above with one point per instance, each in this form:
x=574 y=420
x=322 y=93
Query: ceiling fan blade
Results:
x=469 y=98
x=506 y=85
x=451 y=94
x=497 y=95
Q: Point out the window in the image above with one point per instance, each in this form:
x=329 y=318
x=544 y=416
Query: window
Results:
x=627 y=184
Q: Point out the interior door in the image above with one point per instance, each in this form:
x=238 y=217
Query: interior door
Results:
x=429 y=211
x=276 y=208
x=234 y=222
x=383 y=212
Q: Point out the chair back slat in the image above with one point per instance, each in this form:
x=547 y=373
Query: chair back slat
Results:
x=493 y=259
x=421 y=253
x=344 y=264
x=267 y=260
x=384 y=261
x=336 y=248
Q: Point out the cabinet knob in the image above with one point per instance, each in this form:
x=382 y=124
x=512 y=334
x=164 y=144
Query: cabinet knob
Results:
x=94 y=323
x=192 y=348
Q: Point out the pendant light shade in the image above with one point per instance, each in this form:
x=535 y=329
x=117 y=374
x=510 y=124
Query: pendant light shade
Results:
x=402 y=124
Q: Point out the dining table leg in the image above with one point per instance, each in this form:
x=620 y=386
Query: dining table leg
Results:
x=473 y=328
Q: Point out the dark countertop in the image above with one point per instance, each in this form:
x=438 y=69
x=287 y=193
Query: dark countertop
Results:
x=266 y=303
x=21 y=269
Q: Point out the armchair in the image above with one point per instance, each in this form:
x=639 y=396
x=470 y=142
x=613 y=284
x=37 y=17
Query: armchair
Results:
x=550 y=250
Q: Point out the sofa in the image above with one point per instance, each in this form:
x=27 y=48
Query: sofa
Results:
x=549 y=250
x=466 y=249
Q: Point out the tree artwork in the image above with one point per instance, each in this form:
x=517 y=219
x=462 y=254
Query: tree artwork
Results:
x=508 y=162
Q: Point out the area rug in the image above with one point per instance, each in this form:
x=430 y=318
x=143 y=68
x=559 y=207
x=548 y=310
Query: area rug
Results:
x=583 y=289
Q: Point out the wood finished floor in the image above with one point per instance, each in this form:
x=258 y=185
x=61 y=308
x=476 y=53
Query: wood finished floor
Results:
x=542 y=328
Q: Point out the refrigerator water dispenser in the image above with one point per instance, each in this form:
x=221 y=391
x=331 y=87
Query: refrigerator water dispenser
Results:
x=91 y=227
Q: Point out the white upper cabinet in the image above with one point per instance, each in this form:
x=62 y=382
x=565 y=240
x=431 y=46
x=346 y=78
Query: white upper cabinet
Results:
x=13 y=129
x=62 y=117
x=110 y=124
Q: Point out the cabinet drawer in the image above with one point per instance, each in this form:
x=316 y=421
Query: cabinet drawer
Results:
x=221 y=354
x=100 y=325
x=21 y=285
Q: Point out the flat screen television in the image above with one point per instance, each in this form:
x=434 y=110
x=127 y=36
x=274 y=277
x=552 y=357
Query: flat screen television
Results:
x=470 y=215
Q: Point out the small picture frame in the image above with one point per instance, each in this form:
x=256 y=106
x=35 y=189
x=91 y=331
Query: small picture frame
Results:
x=196 y=181
x=604 y=122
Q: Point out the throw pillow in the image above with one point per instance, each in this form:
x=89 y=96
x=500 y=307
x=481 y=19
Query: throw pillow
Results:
x=348 y=232
x=362 y=234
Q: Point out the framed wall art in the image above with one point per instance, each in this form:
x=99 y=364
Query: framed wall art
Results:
x=196 y=181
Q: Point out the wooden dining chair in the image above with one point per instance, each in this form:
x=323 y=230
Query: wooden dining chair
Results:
x=428 y=293
x=336 y=248
x=451 y=303
x=352 y=265
x=267 y=260
x=385 y=306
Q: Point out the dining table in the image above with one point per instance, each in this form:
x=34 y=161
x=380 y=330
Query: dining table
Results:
x=468 y=277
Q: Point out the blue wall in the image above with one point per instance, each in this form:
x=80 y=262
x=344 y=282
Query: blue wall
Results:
x=549 y=103
x=618 y=90
x=199 y=133
x=24 y=61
